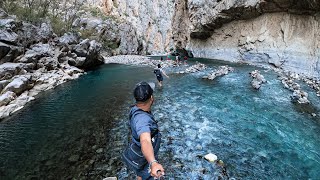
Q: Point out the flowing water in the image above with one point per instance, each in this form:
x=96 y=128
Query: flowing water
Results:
x=78 y=130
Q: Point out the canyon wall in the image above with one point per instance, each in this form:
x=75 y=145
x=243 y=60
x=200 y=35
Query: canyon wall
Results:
x=280 y=33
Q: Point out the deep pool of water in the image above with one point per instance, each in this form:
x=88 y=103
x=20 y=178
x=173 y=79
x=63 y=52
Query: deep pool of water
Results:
x=78 y=130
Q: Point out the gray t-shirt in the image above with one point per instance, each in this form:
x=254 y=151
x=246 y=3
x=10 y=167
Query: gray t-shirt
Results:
x=141 y=122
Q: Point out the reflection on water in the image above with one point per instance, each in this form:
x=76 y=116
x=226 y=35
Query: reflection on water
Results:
x=79 y=129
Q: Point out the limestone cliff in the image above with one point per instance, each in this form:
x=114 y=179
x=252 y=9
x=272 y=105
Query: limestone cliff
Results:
x=283 y=33
x=280 y=32
x=150 y=21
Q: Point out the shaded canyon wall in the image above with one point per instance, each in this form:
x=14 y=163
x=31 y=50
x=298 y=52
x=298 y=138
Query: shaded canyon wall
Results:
x=283 y=33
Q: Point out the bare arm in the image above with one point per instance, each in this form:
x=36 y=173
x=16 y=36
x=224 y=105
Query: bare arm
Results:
x=147 y=150
x=164 y=73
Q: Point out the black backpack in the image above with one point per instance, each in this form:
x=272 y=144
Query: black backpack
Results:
x=157 y=72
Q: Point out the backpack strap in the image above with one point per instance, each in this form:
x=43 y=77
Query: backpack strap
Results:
x=140 y=111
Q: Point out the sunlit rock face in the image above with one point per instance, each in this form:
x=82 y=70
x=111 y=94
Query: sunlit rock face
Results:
x=282 y=33
x=150 y=20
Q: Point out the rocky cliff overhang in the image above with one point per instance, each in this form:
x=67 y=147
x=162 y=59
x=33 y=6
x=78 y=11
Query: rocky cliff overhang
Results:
x=206 y=16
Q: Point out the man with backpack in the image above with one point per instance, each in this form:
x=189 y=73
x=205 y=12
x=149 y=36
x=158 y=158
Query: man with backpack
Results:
x=159 y=71
x=141 y=154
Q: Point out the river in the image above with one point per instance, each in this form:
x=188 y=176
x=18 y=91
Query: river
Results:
x=78 y=130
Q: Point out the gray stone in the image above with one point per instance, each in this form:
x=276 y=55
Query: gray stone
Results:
x=4 y=50
x=100 y=150
x=74 y=158
x=19 y=84
x=8 y=36
x=69 y=38
x=8 y=70
x=6 y=98
x=36 y=52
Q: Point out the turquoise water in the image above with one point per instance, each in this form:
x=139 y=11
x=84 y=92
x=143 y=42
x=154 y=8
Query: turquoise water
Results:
x=78 y=130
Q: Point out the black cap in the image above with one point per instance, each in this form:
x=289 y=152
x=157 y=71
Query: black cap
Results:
x=142 y=92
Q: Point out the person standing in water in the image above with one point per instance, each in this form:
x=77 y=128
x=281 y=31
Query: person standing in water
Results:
x=159 y=71
x=141 y=155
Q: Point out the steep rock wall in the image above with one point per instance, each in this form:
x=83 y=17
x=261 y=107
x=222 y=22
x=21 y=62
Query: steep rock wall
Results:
x=283 y=33
x=150 y=19
x=281 y=39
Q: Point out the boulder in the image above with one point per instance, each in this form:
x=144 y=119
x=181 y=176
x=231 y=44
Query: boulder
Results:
x=45 y=32
x=9 y=52
x=69 y=38
x=3 y=84
x=36 y=52
x=82 y=48
x=7 y=23
x=19 y=84
x=49 y=62
x=6 y=98
x=211 y=157
x=257 y=79
x=7 y=35
x=5 y=111
x=4 y=50
x=91 y=51
x=223 y=70
x=8 y=70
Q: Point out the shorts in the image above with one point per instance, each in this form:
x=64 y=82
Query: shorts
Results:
x=160 y=78
x=144 y=174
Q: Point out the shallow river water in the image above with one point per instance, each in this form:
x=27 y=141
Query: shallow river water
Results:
x=78 y=130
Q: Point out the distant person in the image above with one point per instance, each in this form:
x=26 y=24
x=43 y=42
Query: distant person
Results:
x=185 y=60
x=141 y=155
x=177 y=59
x=159 y=71
x=161 y=58
x=168 y=58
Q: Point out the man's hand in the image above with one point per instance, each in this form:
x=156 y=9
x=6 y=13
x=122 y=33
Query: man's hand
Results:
x=157 y=170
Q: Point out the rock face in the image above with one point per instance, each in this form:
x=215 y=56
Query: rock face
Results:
x=281 y=33
x=148 y=22
x=33 y=59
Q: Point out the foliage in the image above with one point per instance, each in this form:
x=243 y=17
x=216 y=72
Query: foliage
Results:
x=110 y=44
x=88 y=33
x=61 y=12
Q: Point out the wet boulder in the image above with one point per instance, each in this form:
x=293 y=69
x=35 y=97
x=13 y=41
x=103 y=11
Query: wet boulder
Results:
x=300 y=97
x=7 y=97
x=223 y=70
x=257 y=79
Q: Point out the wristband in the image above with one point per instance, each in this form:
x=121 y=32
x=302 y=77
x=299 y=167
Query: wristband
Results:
x=150 y=164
